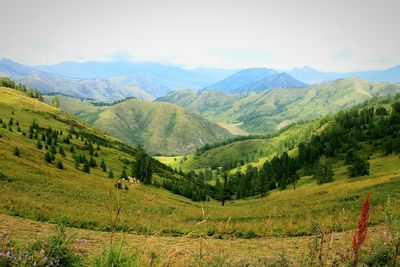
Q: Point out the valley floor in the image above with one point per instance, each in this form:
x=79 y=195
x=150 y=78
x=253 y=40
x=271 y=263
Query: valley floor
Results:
x=185 y=251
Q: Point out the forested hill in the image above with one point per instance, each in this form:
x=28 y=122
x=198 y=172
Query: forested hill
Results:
x=350 y=138
x=42 y=139
x=260 y=113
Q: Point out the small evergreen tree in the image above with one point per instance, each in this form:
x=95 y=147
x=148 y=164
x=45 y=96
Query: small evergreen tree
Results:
x=48 y=157
x=103 y=165
x=60 y=165
x=86 y=167
x=323 y=172
x=16 y=151
x=39 y=145
x=359 y=167
x=61 y=151
x=111 y=174
x=92 y=162
x=123 y=174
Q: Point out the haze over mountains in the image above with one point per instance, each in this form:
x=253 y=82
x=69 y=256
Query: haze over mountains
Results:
x=114 y=80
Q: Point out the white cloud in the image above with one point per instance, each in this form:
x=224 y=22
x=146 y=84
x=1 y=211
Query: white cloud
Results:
x=329 y=35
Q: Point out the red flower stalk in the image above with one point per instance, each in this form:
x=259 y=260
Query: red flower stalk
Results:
x=361 y=232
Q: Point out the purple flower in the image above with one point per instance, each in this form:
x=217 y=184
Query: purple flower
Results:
x=8 y=254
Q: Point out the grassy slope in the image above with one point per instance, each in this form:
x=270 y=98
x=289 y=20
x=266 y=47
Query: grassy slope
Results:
x=254 y=151
x=269 y=111
x=160 y=127
x=39 y=191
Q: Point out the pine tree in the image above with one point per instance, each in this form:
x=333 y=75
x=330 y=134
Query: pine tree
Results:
x=123 y=174
x=359 y=167
x=86 y=167
x=48 y=157
x=39 y=145
x=16 y=151
x=92 y=162
x=111 y=174
x=103 y=165
x=323 y=173
x=60 y=165
x=61 y=151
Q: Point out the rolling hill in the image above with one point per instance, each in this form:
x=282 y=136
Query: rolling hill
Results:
x=96 y=89
x=267 y=112
x=31 y=188
x=161 y=128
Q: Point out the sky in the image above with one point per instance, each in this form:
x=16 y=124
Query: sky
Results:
x=330 y=35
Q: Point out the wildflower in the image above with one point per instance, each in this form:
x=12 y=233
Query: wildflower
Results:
x=361 y=232
x=8 y=254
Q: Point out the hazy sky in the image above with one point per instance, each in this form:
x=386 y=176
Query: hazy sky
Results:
x=329 y=35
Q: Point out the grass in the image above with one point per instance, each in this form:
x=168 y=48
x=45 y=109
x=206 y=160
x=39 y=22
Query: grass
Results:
x=39 y=191
x=269 y=111
x=253 y=151
x=161 y=128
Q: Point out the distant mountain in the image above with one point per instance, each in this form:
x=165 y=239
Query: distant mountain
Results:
x=388 y=75
x=96 y=89
x=166 y=75
x=144 y=82
x=309 y=75
x=241 y=78
x=161 y=128
x=256 y=80
x=279 y=80
x=272 y=110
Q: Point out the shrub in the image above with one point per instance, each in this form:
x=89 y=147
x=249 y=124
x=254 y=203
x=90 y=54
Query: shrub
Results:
x=16 y=151
x=323 y=173
x=359 y=167
x=60 y=165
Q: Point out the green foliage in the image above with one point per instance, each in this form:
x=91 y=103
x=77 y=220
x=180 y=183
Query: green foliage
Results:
x=142 y=168
x=103 y=165
x=86 y=167
x=323 y=171
x=31 y=92
x=359 y=167
x=48 y=157
x=115 y=256
x=16 y=151
x=110 y=174
x=60 y=165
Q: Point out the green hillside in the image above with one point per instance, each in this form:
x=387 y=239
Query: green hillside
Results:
x=32 y=188
x=161 y=128
x=239 y=153
x=267 y=112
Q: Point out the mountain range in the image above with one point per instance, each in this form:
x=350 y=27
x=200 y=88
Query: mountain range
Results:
x=114 y=80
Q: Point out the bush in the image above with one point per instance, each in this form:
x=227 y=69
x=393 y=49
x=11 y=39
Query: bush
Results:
x=323 y=172
x=16 y=151
x=60 y=165
x=359 y=167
